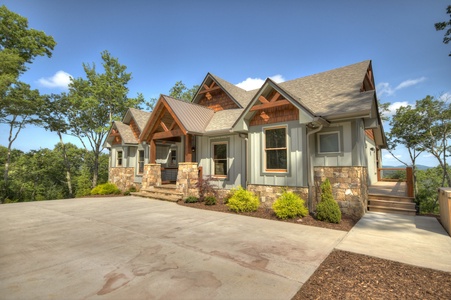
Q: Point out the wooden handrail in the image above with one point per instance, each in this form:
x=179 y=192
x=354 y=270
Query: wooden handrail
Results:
x=408 y=180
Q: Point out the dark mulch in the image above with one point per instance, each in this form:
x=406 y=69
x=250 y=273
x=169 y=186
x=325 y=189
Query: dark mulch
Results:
x=266 y=213
x=345 y=275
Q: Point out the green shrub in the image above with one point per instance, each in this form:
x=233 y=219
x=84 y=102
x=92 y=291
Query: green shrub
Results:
x=229 y=195
x=191 y=199
x=328 y=209
x=132 y=189
x=210 y=200
x=106 y=189
x=289 y=205
x=127 y=193
x=243 y=201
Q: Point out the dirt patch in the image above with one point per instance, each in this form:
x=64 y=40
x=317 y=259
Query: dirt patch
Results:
x=346 y=223
x=345 y=275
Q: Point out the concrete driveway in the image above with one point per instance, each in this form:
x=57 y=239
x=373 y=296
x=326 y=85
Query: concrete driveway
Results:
x=136 y=248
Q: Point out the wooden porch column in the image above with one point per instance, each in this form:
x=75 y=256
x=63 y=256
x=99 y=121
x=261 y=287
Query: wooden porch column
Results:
x=188 y=152
x=152 y=151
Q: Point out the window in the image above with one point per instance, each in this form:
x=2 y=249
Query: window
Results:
x=329 y=142
x=173 y=158
x=119 y=158
x=140 y=161
x=220 y=159
x=276 y=149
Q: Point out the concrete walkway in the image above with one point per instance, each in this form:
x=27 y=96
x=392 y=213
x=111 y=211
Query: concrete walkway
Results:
x=415 y=240
x=136 y=248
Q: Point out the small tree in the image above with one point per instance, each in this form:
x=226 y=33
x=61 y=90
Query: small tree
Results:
x=328 y=209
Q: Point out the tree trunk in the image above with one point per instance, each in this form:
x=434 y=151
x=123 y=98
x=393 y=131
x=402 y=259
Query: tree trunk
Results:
x=67 y=164
x=95 y=170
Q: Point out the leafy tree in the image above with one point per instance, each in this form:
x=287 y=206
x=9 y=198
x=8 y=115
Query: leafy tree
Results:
x=405 y=125
x=446 y=25
x=435 y=130
x=180 y=91
x=19 y=105
x=96 y=101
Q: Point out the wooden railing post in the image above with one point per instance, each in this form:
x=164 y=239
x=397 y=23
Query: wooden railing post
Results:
x=409 y=181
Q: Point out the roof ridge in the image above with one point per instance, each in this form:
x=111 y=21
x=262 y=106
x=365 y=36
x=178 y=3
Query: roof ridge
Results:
x=191 y=103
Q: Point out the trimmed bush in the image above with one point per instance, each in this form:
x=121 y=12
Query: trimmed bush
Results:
x=243 y=201
x=191 y=199
x=210 y=200
x=289 y=205
x=106 y=189
x=132 y=189
x=328 y=209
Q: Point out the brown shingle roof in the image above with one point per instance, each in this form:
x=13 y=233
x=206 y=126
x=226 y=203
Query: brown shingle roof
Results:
x=126 y=133
x=333 y=92
x=141 y=117
x=224 y=119
x=194 y=117
x=243 y=97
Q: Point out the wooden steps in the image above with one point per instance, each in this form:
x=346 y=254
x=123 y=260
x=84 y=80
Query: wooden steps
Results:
x=391 y=204
x=163 y=192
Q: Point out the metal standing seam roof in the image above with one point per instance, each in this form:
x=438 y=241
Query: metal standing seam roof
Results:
x=126 y=133
x=193 y=117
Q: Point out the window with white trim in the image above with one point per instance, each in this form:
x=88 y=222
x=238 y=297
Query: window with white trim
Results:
x=275 y=148
x=140 y=161
x=329 y=142
x=119 y=158
x=220 y=165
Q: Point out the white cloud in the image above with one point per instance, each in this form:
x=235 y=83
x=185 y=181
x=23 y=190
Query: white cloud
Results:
x=445 y=97
x=410 y=82
x=61 y=80
x=384 y=88
x=256 y=83
x=395 y=105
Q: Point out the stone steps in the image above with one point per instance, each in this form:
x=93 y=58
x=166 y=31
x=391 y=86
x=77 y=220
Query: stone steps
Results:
x=163 y=192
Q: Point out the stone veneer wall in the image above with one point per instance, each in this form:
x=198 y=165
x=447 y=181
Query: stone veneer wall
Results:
x=269 y=193
x=349 y=188
x=151 y=175
x=187 y=178
x=123 y=177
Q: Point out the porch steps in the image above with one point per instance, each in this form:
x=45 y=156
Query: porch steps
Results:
x=163 y=192
x=391 y=204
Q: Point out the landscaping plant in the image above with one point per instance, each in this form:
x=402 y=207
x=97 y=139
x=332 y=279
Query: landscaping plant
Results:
x=206 y=188
x=210 y=200
x=328 y=209
x=243 y=201
x=191 y=199
x=106 y=189
x=289 y=205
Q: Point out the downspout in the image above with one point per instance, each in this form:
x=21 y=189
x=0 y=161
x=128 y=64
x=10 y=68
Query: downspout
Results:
x=309 y=169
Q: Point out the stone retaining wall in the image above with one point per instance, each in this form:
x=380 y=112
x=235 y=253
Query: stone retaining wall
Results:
x=269 y=193
x=123 y=177
x=151 y=175
x=349 y=188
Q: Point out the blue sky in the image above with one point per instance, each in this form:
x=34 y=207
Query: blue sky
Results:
x=162 y=42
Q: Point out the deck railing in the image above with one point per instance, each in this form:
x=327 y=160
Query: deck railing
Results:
x=408 y=180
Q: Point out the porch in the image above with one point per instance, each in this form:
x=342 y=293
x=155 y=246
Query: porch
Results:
x=393 y=195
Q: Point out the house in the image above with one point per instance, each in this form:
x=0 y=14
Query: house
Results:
x=289 y=135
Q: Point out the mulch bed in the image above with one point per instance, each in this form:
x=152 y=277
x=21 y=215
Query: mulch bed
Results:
x=346 y=223
x=345 y=275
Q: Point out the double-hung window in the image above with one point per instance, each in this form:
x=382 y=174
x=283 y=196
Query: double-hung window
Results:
x=140 y=161
x=276 y=149
x=329 y=142
x=220 y=165
x=119 y=158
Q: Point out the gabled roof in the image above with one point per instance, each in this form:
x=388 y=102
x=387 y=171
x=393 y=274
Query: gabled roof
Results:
x=193 y=117
x=241 y=96
x=334 y=92
x=141 y=117
x=125 y=133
